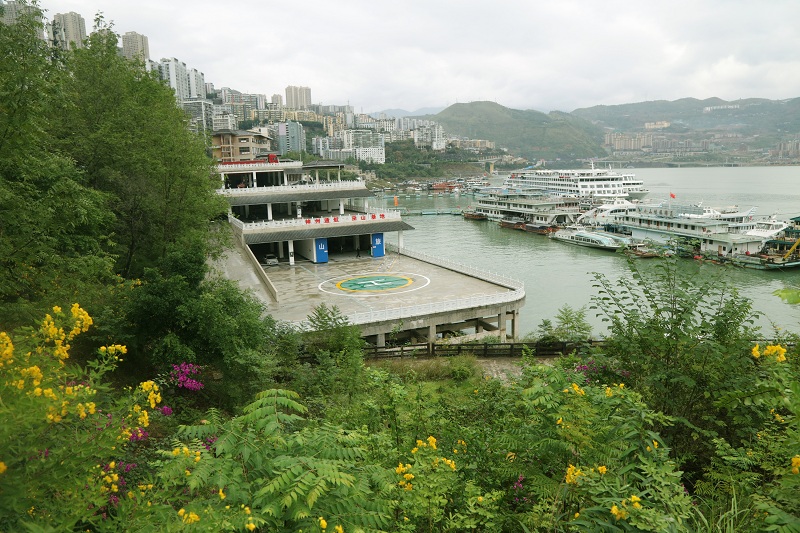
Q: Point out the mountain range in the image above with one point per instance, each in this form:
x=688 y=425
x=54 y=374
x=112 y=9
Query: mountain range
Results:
x=580 y=133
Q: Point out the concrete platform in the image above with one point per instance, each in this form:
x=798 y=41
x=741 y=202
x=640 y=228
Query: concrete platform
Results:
x=383 y=295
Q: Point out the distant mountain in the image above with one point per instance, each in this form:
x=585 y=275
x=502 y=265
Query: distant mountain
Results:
x=752 y=116
x=529 y=134
x=400 y=113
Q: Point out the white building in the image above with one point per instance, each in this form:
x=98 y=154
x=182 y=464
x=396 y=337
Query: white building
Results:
x=176 y=75
x=197 y=84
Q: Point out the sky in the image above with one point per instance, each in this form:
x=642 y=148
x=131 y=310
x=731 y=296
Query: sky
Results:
x=412 y=54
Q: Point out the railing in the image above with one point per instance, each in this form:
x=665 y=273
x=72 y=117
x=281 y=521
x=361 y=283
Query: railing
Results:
x=398 y=313
x=309 y=187
x=314 y=221
x=500 y=349
x=491 y=277
x=233 y=165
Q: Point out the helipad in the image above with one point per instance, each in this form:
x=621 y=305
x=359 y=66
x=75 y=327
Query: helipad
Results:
x=384 y=294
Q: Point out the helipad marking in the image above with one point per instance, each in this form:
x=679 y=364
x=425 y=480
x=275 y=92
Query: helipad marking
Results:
x=374 y=284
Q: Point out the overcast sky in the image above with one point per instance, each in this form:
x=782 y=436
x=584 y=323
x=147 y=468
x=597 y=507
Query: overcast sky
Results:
x=410 y=54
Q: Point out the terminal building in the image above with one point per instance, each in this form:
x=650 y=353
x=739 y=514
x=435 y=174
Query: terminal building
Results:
x=304 y=236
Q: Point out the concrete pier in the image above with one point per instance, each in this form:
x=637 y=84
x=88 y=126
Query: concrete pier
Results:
x=401 y=296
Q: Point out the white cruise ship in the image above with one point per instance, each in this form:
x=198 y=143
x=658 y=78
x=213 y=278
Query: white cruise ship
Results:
x=600 y=185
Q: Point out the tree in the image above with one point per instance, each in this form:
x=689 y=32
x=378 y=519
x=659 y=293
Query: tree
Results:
x=122 y=126
x=54 y=228
x=685 y=345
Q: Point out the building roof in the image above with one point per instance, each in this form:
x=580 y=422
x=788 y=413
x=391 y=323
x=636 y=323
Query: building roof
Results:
x=334 y=230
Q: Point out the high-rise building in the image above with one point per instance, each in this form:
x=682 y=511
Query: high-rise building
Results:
x=176 y=75
x=12 y=10
x=68 y=30
x=277 y=99
x=290 y=137
x=135 y=46
x=298 y=97
x=197 y=84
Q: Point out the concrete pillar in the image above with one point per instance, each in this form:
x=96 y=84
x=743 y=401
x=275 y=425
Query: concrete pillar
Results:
x=381 y=340
x=338 y=174
x=299 y=211
x=291 y=253
x=269 y=211
x=285 y=179
x=247 y=211
x=280 y=250
x=431 y=337
x=400 y=239
x=316 y=175
x=514 y=324
x=254 y=182
x=501 y=326
x=478 y=326
x=341 y=206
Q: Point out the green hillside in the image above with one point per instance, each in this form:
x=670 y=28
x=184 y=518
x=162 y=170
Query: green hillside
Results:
x=530 y=134
x=754 y=116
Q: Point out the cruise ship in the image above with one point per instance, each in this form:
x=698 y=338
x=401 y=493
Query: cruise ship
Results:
x=600 y=185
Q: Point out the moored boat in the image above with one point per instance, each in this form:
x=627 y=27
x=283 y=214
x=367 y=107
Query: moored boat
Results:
x=586 y=237
x=470 y=214
x=513 y=223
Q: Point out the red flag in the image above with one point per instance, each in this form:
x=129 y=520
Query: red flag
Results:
x=672 y=195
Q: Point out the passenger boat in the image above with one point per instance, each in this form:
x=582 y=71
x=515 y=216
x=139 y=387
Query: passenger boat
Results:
x=599 y=185
x=586 y=237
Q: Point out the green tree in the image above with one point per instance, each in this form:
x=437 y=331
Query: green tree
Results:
x=122 y=126
x=685 y=345
x=54 y=229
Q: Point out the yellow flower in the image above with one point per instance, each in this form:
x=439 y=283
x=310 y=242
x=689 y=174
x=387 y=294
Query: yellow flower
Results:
x=432 y=442
x=221 y=495
x=573 y=474
x=609 y=392
x=559 y=421
x=408 y=477
x=756 y=352
x=795 y=465
x=618 y=513
x=322 y=523
x=3 y=467
x=480 y=499
x=339 y=529
x=577 y=515
x=250 y=526
x=602 y=469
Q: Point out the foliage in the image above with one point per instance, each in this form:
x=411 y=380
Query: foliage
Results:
x=571 y=326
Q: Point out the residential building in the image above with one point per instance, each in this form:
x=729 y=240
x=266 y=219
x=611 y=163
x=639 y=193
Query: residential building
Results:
x=238 y=145
x=197 y=84
x=68 y=30
x=431 y=136
x=135 y=46
x=201 y=112
x=176 y=75
x=298 y=97
x=290 y=137
x=363 y=145
x=277 y=99
x=13 y=10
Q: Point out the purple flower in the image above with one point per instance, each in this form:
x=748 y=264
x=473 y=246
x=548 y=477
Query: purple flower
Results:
x=138 y=434
x=166 y=410
x=180 y=376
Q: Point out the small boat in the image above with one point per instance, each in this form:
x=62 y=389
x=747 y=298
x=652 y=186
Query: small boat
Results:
x=588 y=238
x=540 y=229
x=474 y=215
x=513 y=223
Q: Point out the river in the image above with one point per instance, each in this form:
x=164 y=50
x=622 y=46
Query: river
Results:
x=558 y=274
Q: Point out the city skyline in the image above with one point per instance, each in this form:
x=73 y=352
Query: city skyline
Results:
x=562 y=56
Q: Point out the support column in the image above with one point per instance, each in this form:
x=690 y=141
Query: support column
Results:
x=514 y=324
x=341 y=206
x=253 y=181
x=381 y=340
x=316 y=175
x=400 y=239
x=431 y=337
x=501 y=326
x=269 y=211
x=291 y=253
x=338 y=174
x=299 y=211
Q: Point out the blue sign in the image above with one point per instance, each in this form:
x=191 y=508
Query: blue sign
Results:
x=377 y=245
x=321 y=251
